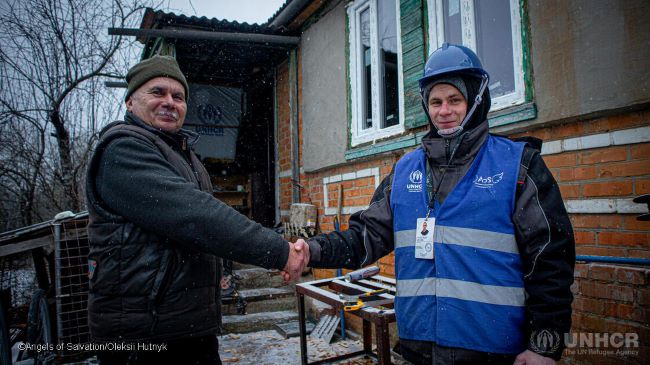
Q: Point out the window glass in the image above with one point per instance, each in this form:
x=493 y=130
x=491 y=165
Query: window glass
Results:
x=494 y=44
x=387 y=34
x=364 y=25
x=453 y=31
x=492 y=29
x=375 y=77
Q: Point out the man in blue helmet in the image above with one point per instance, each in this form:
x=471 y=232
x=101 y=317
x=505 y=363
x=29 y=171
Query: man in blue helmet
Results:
x=493 y=286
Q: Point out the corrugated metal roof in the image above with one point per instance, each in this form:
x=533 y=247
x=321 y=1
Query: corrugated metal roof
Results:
x=160 y=19
x=215 y=61
x=277 y=12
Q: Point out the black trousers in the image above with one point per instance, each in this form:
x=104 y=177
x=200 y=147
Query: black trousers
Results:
x=190 y=351
x=429 y=353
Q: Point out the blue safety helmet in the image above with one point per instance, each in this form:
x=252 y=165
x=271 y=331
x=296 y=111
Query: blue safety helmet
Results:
x=454 y=59
x=451 y=58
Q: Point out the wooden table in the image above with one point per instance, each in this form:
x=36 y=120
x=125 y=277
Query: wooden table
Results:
x=328 y=290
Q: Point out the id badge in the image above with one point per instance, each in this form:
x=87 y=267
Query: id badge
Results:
x=424 y=234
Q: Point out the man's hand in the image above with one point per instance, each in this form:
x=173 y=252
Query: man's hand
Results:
x=298 y=259
x=531 y=358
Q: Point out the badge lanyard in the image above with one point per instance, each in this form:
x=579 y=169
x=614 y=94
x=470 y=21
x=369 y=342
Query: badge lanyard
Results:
x=425 y=227
x=425 y=234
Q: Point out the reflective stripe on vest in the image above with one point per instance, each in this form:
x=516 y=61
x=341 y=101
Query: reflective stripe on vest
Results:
x=472 y=294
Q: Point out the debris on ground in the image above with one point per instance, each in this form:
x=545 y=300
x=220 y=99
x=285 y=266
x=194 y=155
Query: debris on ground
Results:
x=269 y=347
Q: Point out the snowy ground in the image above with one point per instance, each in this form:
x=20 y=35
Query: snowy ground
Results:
x=269 y=347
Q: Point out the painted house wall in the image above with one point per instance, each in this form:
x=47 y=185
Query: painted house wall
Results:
x=324 y=91
x=589 y=56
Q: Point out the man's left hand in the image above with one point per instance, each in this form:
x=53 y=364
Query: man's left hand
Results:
x=531 y=358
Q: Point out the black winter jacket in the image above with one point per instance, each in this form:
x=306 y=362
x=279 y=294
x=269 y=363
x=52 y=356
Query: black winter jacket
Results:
x=543 y=232
x=157 y=235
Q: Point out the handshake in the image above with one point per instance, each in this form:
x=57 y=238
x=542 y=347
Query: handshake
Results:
x=297 y=261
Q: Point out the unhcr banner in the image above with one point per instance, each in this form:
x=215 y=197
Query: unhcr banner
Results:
x=214 y=112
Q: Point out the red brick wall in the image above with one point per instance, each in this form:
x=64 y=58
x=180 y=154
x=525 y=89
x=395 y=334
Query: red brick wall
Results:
x=357 y=192
x=284 y=133
x=619 y=172
x=609 y=298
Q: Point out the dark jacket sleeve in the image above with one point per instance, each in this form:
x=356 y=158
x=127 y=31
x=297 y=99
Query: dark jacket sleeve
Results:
x=368 y=238
x=547 y=248
x=136 y=182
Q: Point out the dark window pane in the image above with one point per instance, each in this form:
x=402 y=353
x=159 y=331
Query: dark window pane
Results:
x=494 y=44
x=387 y=32
x=364 y=33
x=453 y=31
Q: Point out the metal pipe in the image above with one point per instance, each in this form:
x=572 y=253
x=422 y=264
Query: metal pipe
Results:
x=57 y=277
x=614 y=260
x=276 y=148
x=293 y=126
x=206 y=35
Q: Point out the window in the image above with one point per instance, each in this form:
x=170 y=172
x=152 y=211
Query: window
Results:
x=375 y=64
x=493 y=30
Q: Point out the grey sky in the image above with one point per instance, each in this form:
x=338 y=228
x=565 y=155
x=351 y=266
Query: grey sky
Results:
x=250 y=11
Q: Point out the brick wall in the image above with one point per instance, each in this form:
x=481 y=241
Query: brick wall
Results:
x=600 y=165
x=610 y=299
x=601 y=181
x=283 y=137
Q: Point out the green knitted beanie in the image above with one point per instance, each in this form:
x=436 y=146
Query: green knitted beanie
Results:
x=156 y=66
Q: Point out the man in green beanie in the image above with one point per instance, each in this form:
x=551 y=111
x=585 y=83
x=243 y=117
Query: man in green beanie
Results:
x=157 y=235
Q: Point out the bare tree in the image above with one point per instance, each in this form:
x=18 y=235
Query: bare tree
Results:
x=54 y=57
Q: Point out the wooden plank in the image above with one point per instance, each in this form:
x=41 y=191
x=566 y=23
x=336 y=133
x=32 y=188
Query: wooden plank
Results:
x=24 y=246
x=414 y=58
x=410 y=15
x=412 y=40
x=416 y=120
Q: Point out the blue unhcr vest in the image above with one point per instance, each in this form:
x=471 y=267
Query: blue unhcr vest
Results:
x=471 y=295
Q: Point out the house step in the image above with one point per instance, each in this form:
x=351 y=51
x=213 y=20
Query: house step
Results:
x=257 y=277
x=256 y=321
x=262 y=300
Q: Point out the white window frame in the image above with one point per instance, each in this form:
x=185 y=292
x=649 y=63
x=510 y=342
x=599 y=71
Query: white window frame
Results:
x=436 y=37
x=360 y=135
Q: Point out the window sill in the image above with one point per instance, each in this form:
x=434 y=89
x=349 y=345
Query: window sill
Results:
x=399 y=143
x=512 y=115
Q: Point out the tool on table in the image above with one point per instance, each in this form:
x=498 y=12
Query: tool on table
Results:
x=369 y=299
x=364 y=273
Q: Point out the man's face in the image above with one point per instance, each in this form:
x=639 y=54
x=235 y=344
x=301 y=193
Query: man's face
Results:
x=447 y=106
x=160 y=102
x=424 y=226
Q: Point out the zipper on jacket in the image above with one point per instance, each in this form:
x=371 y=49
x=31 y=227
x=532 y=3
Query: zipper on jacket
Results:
x=447 y=150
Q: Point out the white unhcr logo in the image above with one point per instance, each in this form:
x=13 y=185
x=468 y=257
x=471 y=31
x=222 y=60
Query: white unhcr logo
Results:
x=590 y=339
x=545 y=341
x=416 y=182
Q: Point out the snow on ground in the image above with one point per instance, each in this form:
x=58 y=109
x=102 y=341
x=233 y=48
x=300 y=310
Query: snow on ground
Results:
x=270 y=348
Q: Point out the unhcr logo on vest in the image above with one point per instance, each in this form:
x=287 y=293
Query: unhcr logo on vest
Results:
x=488 y=181
x=416 y=182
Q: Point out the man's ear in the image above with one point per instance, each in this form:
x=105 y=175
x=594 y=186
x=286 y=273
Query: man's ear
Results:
x=129 y=103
